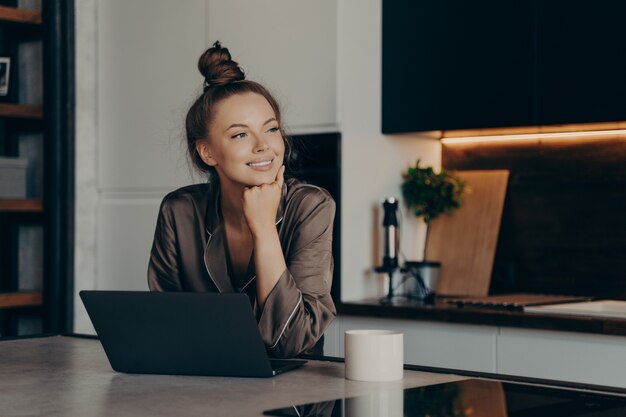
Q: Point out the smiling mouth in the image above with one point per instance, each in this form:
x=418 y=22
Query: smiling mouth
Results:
x=260 y=164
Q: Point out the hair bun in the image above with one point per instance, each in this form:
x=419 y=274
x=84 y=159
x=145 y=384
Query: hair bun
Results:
x=217 y=67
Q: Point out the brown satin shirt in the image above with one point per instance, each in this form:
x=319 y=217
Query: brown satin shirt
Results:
x=189 y=254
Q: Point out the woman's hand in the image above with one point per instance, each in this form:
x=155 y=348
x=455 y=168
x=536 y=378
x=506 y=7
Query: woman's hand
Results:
x=260 y=204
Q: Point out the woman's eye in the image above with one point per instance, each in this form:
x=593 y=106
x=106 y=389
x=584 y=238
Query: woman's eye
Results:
x=273 y=129
x=239 y=135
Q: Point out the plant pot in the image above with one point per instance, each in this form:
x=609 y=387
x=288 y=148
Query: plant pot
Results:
x=420 y=279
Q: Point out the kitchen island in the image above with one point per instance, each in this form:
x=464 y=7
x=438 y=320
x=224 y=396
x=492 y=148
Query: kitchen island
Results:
x=70 y=376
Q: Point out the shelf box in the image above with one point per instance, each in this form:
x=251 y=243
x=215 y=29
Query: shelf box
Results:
x=13 y=177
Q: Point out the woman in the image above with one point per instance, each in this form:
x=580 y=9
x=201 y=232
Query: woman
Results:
x=247 y=229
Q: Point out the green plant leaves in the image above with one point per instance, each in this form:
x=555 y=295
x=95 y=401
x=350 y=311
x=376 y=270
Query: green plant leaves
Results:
x=430 y=194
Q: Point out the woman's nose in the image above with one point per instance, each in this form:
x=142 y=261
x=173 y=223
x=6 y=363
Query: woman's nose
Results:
x=261 y=144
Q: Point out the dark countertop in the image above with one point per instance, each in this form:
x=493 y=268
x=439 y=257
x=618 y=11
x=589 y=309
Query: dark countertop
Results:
x=450 y=313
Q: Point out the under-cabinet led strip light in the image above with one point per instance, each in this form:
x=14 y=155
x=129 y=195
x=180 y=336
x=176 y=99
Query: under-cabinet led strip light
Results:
x=534 y=136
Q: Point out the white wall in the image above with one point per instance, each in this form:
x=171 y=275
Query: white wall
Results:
x=371 y=162
x=290 y=46
x=136 y=77
x=86 y=192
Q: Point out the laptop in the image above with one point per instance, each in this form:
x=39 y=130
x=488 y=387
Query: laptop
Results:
x=177 y=333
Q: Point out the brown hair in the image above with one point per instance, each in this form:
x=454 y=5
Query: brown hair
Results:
x=223 y=78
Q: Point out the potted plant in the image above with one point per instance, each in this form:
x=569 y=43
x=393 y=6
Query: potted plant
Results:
x=428 y=194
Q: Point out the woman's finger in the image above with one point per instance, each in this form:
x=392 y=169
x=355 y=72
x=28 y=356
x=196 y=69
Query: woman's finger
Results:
x=280 y=177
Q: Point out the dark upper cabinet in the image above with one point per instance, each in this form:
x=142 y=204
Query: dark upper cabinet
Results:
x=450 y=64
x=581 y=58
x=458 y=64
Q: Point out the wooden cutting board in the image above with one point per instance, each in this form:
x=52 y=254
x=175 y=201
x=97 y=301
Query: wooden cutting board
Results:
x=465 y=241
x=515 y=301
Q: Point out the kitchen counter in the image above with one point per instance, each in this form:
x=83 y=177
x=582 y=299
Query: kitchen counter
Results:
x=445 y=312
x=69 y=376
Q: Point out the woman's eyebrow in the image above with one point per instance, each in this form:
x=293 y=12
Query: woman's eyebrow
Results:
x=271 y=119
x=235 y=125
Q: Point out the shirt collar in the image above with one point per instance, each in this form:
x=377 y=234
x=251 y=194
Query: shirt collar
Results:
x=214 y=253
x=213 y=217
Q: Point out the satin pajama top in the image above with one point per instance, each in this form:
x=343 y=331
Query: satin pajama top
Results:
x=189 y=254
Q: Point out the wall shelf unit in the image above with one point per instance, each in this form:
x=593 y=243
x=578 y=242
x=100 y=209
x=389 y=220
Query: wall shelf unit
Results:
x=36 y=123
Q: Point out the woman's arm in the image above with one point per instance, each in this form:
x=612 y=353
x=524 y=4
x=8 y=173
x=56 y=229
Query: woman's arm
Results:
x=163 y=271
x=269 y=262
x=299 y=308
x=293 y=290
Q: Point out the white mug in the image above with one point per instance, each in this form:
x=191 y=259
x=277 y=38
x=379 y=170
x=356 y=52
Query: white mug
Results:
x=374 y=355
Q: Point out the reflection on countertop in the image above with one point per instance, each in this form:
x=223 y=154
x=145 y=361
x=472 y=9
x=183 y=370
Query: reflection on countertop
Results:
x=469 y=398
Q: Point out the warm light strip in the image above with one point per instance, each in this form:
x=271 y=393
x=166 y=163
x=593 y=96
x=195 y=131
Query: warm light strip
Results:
x=534 y=136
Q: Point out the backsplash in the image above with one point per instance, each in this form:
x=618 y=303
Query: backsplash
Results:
x=563 y=228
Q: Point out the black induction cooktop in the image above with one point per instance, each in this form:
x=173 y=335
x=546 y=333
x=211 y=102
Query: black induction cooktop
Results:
x=468 y=398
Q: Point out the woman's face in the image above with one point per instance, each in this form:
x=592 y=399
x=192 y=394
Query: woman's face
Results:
x=245 y=145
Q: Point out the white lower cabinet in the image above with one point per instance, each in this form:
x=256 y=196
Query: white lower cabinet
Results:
x=444 y=345
x=564 y=356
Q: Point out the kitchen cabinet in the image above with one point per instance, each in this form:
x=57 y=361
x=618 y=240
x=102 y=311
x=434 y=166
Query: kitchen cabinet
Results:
x=565 y=356
x=291 y=48
x=444 y=345
x=581 y=61
x=463 y=65
x=144 y=55
x=456 y=64
x=535 y=353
